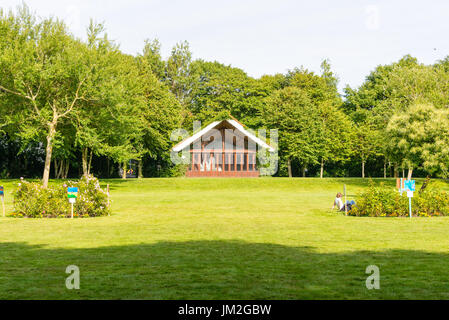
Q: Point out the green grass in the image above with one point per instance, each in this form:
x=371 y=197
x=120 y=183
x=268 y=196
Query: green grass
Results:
x=266 y=238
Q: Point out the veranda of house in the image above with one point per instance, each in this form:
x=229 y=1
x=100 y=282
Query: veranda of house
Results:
x=223 y=149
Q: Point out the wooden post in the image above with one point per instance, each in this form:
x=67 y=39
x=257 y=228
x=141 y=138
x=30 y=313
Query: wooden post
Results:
x=203 y=158
x=2 y=194
x=222 y=161
x=216 y=157
x=247 y=161
x=196 y=165
x=235 y=160
x=223 y=150
x=193 y=160
x=107 y=192
x=198 y=161
x=346 y=207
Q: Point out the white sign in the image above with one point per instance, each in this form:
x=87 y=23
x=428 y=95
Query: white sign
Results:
x=410 y=194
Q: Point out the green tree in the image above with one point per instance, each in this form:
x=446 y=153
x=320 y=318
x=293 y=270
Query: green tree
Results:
x=218 y=88
x=298 y=121
x=390 y=90
x=110 y=122
x=178 y=69
x=420 y=138
x=151 y=57
x=44 y=66
x=161 y=114
x=335 y=127
x=367 y=141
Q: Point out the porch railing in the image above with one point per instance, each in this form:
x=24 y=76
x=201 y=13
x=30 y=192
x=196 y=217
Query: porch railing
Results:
x=227 y=161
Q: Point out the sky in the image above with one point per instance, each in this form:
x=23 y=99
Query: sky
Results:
x=268 y=37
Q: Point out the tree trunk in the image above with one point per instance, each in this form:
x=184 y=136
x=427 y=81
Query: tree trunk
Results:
x=410 y=172
x=396 y=172
x=424 y=185
x=67 y=166
x=385 y=169
x=84 y=160
x=289 y=167
x=56 y=169
x=363 y=168
x=61 y=172
x=390 y=171
x=48 y=151
x=322 y=168
x=304 y=171
x=140 y=170
x=61 y=168
x=90 y=162
x=124 y=170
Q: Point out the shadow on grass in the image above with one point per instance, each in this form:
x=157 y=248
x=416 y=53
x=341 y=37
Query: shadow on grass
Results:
x=218 y=270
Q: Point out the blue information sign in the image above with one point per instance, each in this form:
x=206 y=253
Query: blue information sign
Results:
x=72 y=192
x=409 y=185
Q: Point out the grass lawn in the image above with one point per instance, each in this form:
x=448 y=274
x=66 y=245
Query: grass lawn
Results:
x=265 y=238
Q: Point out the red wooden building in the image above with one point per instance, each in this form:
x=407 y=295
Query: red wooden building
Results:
x=223 y=149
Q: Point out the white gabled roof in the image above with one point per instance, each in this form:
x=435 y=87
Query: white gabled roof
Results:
x=185 y=143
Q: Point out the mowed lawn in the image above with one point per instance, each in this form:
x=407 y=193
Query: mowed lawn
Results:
x=263 y=238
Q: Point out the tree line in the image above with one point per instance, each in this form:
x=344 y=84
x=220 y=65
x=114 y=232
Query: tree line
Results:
x=70 y=107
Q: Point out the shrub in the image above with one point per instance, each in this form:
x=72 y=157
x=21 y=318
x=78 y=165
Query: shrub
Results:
x=379 y=201
x=432 y=202
x=33 y=201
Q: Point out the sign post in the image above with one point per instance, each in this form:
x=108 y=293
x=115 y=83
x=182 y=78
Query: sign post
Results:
x=107 y=191
x=400 y=185
x=2 y=194
x=410 y=206
x=409 y=186
x=72 y=194
x=346 y=207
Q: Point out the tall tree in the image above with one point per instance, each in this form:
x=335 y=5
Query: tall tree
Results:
x=335 y=127
x=420 y=138
x=390 y=90
x=216 y=88
x=178 y=70
x=298 y=121
x=110 y=122
x=151 y=57
x=46 y=68
x=161 y=114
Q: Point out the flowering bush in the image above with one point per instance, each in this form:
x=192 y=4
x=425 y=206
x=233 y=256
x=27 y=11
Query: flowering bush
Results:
x=379 y=201
x=432 y=202
x=34 y=201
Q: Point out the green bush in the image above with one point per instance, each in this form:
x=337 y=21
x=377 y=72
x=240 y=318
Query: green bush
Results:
x=379 y=201
x=33 y=201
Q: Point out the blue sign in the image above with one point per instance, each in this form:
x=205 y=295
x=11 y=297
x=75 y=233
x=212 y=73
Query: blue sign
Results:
x=72 y=192
x=409 y=185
